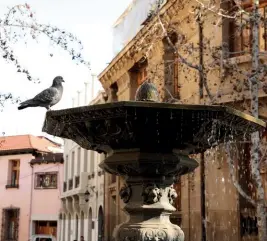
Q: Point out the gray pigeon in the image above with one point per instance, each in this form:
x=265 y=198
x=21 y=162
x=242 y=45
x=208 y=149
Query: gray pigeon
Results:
x=47 y=97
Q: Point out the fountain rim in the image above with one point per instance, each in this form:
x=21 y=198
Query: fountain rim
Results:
x=157 y=105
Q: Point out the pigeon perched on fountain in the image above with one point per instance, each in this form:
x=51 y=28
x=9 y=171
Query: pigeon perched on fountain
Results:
x=48 y=97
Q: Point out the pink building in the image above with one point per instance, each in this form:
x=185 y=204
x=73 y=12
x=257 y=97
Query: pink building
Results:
x=31 y=172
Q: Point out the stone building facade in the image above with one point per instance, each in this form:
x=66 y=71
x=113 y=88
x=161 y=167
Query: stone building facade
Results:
x=208 y=206
x=81 y=217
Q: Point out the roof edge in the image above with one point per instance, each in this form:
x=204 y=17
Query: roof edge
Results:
x=140 y=33
x=17 y=151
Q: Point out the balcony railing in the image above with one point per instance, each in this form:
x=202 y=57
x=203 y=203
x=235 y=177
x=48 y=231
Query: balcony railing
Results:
x=64 y=186
x=70 y=184
x=77 y=181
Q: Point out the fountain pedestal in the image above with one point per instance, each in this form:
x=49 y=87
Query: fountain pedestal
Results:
x=148 y=144
x=148 y=193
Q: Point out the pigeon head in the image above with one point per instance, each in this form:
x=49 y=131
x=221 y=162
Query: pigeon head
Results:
x=57 y=81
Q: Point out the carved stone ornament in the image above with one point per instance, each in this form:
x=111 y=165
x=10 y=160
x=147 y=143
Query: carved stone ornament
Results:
x=165 y=232
x=155 y=235
x=172 y=195
x=151 y=193
x=129 y=234
x=125 y=193
x=130 y=239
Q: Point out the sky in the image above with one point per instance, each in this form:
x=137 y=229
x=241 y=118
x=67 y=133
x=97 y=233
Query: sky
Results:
x=91 y=21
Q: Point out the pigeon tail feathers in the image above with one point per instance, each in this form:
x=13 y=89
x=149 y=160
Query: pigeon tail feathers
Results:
x=26 y=104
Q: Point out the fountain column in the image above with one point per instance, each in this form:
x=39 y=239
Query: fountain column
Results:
x=148 y=193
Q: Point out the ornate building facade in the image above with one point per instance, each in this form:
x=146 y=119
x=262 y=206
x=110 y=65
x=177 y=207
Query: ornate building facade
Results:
x=168 y=49
x=82 y=214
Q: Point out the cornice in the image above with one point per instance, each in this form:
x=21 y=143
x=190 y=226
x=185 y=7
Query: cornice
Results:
x=113 y=71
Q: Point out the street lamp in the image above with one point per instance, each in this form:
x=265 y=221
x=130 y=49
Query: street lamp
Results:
x=86 y=196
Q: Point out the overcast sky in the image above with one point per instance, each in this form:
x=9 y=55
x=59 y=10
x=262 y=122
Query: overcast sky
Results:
x=91 y=21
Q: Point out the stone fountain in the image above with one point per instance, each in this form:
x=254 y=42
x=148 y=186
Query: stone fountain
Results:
x=149 y=144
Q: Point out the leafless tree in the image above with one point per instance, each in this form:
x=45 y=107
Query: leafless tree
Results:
x=20 y=24
x=250 y=78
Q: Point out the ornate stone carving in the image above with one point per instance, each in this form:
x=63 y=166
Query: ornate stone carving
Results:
x=130 y=239
x=88 y=126
x=154 y=235
x=128 y=169
x=161 y=232
x=83 y=207
x=151 y=193
x=126 y=193
x=129 y=234
x=172 y=194
x=134 y=163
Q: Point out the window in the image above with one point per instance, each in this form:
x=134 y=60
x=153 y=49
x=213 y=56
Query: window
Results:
x=141 y=72
x=171 y=64
x=70 y=184
x=64 y=186
x=240 y=34
x=46 y=180
x=45 y=228
x=141 y=75
x=10 y=224
x=13 y=177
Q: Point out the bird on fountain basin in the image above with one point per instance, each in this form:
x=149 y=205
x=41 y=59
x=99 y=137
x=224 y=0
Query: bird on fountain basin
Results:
x=47 y=98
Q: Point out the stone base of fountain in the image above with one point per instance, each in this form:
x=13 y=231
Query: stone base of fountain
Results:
x=148 y=193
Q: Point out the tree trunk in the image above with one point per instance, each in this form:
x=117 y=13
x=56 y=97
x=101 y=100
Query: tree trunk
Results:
x=255 y=139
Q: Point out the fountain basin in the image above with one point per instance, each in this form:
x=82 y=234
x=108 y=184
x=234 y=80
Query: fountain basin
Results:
x=150 y=126
x=149 y=144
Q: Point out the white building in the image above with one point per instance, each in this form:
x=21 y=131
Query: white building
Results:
x=81 y=174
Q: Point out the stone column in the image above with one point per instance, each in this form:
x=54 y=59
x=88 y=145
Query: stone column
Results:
x=148 y=193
